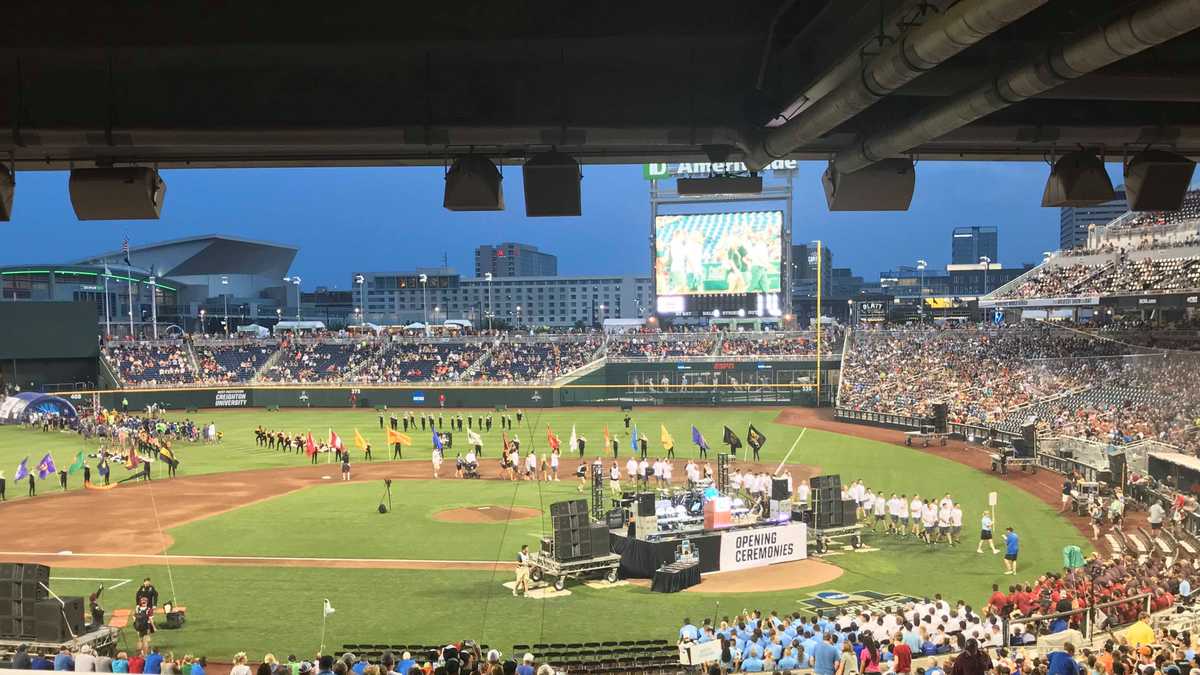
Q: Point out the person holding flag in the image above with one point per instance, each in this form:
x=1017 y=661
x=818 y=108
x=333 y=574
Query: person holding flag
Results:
x=362 y=444
x=756 y=440
x=3 y=498
x=731 y=439
x=633 y=439
x=609 y=441
x=667 y=442
x=436 y=457
x=22 y=472
x=335 y=442
x=397 y=439
x=310 y=448
x=551 y=439
x=698 y=440
x=167 y=455
x=476 y=442
x=574 y=442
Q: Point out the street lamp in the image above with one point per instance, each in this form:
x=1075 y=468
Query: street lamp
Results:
x=987 y=264
x=425 y=300
x=362 y=295
x=600 y=316
x=225 y=298
x=850 y=312
x=488 y=276
x=1047 y=255
x=203 y=330
x=921 y=265
x=436 y=309
x=295 y=281
x=518 y=317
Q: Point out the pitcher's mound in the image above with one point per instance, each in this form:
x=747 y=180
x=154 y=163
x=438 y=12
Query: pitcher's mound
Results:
x=486 y=514
x=781 y=577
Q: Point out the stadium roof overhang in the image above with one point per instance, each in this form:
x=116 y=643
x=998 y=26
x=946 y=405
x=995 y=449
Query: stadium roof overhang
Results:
x=198 y=84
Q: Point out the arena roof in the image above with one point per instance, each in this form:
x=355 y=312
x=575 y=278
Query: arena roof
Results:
x=207 y=254
x=201 y=84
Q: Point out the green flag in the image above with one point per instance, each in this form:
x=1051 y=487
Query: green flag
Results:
x=78 y=463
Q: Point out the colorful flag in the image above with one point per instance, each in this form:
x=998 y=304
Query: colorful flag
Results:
x=125 y=251
x=22 y=470
x=755 y=438
x=665 y=436
x=551 y=439
x=633 y=439
x=327 y=609
x=607 y=439
x=574 y=442
x=437 y=440
x=132 y=460
x=46 y=467
x=395 y=437
x=310 y=448
x=473 y=438
x=698 y=438
x=335 y=441
x=359 y=441
x=731 y=439
x=78 y=464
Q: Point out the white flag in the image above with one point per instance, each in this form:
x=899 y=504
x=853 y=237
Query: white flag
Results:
x=473 y=438
x=574 y=445
x=328 y=608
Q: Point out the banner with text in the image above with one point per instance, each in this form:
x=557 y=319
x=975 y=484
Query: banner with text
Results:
x=743 y=549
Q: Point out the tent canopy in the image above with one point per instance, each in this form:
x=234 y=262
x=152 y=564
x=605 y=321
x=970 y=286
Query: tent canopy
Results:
x=16 y=409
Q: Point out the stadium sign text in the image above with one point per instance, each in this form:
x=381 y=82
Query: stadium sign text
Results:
x=230 y=398
x=661 y=171
x=763 y=546
x=1080 y=301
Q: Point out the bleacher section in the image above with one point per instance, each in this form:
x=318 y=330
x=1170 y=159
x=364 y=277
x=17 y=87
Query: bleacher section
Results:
x=232 y=363
x=318 y=362
x=151 y=364
x=421 y=362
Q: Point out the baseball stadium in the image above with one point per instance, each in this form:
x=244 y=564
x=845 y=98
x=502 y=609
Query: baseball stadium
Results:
x=739 y=459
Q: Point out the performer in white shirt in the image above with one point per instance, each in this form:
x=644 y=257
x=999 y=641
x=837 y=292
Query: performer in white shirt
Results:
x=915 y=507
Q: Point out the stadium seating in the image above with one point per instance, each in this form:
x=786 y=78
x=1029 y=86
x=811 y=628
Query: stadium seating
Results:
x=421 y=361
x=150 y=364
x=319 y=361
x=232 y=362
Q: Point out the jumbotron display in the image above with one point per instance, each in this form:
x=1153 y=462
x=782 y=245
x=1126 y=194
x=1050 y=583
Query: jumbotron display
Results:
x=722 y=261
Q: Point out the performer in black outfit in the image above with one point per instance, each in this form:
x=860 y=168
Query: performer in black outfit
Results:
x=396 y=451
x=367 y=453
x=614 y=448
x=581 y=442
x=643 y=446
x=627 y=418
x=32 y=487
x=2 y=487
x=62 y=478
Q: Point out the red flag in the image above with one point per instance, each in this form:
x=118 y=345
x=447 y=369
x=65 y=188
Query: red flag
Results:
x=335 y=441
x=310 y=448
x=551 y=438
x=504 y=439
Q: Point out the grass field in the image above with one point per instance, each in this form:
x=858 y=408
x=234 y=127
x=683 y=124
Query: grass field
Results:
x=278 y=609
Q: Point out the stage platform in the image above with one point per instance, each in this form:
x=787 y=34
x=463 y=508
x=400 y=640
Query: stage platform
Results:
x=103 y=640
x=719 y=550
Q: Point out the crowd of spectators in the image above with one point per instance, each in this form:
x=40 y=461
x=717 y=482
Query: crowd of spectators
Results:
x=151 y=364
x=422 y=362
x=781 y=344
x=232 y=362
x=537 y=361
x=661 y=346
x=1123 y=276
x=318 y=361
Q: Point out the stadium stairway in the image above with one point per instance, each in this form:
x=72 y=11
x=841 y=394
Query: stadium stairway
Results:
x=267 y=365
x=378 y=355
x=191 y=355
x=485 y=355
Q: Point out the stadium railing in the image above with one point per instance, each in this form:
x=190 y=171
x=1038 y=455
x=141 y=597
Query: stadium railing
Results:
x=1088 y=618
x=880 y=419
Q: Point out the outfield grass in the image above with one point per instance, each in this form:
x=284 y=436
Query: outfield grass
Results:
x=277 y=609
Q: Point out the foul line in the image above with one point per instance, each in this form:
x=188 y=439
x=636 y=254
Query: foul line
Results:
x=244 y=558
x=120 y=582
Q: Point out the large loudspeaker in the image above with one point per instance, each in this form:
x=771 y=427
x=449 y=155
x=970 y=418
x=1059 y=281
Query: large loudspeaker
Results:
x=1116 y=467
x=8 y=188
x=552 y=185
x=473 y=184
x=599 y=538
x=645 y=502
x=615 y=519
x=886 y=185
x=939 y=417
x=175 y=620
x=130 y=193
x=56 y=623
x=1156 y=180
x=25 y=572
x=1078 y=179
x=779 y=489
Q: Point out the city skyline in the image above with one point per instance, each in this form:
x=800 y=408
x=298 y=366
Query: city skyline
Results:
x=345 y=220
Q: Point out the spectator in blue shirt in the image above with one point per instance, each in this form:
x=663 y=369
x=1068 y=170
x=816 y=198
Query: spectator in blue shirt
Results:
x=199 y=665
x=753 y=662
x=1012 y=547
x=688 y=631
x=40 y=662
x=153 y=665
x=1062 y=662
x=63 y=660
x=788 y=662
x=707 y=635
x=825 y=656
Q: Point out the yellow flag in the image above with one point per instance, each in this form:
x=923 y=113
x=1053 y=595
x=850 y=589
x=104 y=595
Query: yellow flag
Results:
x=667 y=441
x=359 y=441
x=394 y=437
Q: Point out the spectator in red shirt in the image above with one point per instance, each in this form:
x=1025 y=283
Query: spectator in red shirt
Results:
x=901 y=655
x=997 y=599
x=137 y=662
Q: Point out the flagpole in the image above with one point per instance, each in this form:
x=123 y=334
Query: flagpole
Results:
x=129 y=282
x=819 y=272
x=107 y=323
x=324 y=616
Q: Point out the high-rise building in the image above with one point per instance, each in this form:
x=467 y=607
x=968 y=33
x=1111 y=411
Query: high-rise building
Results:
x=512 y=259
x=1073 y=221
x=969 y=244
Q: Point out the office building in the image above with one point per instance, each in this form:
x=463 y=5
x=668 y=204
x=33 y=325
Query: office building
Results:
x=1073 y=221
x=400 y=297
x=512 y=259
x=969 y=244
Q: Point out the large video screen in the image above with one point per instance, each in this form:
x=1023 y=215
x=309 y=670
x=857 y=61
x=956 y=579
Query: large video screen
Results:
x=718 y=253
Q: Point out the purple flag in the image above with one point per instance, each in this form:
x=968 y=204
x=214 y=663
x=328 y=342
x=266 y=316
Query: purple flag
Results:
x=698 y=438
x=46 y=467
x=22 y=470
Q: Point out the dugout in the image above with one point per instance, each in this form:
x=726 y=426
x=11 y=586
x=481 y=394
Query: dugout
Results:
x=1175 y=469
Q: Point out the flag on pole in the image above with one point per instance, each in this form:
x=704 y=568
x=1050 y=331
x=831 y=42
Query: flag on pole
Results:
x=755 y=438
x=310 y=448
x=665 y=436
x=78 y=463
x=22 y=470
x=46 y=467
x=335 y=441
x=731 y=439
x=633 y=439
x=698 y=438
x=551 y=439
x=327 y=609
x=473 y=438
x=359 y=441
x=504 y=440
x=437 y=440
x=132 y=460
x=394 y=437
x=607 y=439
x=125 y=251
x=574 y=442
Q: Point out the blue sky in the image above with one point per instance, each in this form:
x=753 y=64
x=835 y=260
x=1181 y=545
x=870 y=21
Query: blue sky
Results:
x=344 y=220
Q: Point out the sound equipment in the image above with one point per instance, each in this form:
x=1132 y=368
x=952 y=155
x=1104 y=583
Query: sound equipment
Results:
x=25 y=572
x=552 y=185
x=1116 y=467
x=1029 y=434
x=8 y=188
x=645 y=526
x=57 y=623
x=175 y=620
x=473 y=184
x=1078 y=179
x=1156 y=180
x=571 y=508
x=125 y=193
x=939 y=417
x=599 y=538
x=779 y=488
x=886 y=185
x=615 y=518
x=645 y=504
x=548 y=546
x=1021 y=448
x=383 y=508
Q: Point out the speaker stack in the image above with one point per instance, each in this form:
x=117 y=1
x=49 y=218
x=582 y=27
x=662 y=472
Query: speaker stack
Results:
x=940 y=410
x=59 y=623
x=22 y=587
x=647 y=519
x=780 y=506
x=575 y=536
x=828 y=509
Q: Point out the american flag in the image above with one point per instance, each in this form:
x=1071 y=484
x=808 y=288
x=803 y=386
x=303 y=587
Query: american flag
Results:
x=125 y=250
